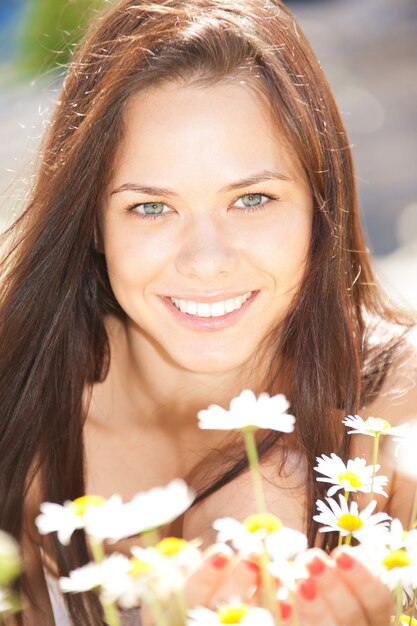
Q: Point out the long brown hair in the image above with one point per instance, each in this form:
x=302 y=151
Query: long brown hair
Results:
x=55 y=289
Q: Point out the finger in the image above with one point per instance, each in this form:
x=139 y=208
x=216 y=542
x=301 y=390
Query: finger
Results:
x=374 y=596
x=310 y=606
x=204 y=581
x=285 y=612
x=241 y=582
x=342 y=604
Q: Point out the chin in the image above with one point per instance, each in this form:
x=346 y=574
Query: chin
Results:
x=210 y=362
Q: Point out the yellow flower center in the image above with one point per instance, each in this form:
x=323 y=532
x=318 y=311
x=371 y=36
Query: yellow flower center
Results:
x=352 y=478
x=349 y=522
x=377 y=424
x=80 y=505
x=232 y=613
x=138 y=567
x=171 y=545
x=262 y=521
x=405 y=620
x=396 y=558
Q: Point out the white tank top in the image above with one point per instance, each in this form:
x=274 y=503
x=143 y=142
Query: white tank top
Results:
x=60 y=611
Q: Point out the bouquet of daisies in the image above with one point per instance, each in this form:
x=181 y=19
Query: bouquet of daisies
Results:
x=153 y=576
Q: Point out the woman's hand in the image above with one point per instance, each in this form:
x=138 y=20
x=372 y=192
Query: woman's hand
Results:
x=220 y=577
x=341 y=591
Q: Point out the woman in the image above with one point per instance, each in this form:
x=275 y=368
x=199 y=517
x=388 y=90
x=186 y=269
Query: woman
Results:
x=193 y=231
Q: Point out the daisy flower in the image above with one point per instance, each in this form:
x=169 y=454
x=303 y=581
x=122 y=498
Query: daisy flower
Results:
x=110 y=578
x=106 y=575
x=146 y=511
x=82 y=579
x=373 y=426
x=392 y=553
x=248 y=411
x=157 y=507
x=258 y=530
x=288 y=572
x=346 y=519
x=355 y=476
x=233 y=614
x=158 y=576
x=112 y=519
x=286 y=543
x=66 y=518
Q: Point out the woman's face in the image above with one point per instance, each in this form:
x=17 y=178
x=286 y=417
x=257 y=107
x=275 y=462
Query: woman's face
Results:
x=206 y=225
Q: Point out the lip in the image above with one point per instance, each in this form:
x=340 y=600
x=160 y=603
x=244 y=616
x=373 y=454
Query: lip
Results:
x=208 y=323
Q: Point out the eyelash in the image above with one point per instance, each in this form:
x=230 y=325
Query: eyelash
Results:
x=254 y=209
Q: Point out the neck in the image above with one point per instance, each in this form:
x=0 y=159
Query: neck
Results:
x=146 y=388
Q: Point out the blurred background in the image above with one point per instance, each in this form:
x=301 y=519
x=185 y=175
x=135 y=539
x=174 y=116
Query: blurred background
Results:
x=368 y=49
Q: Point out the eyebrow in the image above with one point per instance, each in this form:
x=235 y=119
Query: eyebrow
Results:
x=243 y=182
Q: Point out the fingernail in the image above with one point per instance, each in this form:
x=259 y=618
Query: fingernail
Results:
x=254 y=567
x=286 y=609
x=219 y=561
x=344 y=561
x=308 y=589
x=316 y=566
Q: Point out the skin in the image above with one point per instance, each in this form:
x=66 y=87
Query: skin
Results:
x=196 y=141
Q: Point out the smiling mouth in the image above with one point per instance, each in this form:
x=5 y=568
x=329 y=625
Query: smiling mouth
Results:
x=211 y=309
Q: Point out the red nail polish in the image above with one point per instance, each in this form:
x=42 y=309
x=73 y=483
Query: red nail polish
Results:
x=316 y=566
x=308 y=589
x=344 y=561
x=286 y=609
x=219 y=561
x=254 y=567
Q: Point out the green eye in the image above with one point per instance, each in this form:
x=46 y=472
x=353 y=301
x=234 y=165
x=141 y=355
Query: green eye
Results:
x=251 y=202
x=252 y=199
x=152 y=208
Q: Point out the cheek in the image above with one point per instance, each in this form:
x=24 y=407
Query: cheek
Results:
x=131 y=253
x=282 y=249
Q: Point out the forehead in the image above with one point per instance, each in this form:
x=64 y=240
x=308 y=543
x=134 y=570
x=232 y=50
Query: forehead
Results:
x=224 y=130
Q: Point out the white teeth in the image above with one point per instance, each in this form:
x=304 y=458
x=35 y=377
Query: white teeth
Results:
x=230 y=305
x=214 y=309
x=191 y=308
x=218 y=308
x=203 y=309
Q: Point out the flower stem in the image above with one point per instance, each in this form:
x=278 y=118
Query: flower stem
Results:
x=398 y=604
x=150 y=538
x=158 y=614
x=374 y=462
x=97 y=550
x=111 y=614
x=268 y=592
x=182 y=606
x=252 y=454
x=348 y=540
x=413 y=607
x=413 y=517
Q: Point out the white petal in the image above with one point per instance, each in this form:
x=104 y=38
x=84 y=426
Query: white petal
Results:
x=286 y=543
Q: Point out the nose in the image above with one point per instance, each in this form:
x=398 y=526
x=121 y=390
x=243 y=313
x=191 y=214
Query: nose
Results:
x=207 y=251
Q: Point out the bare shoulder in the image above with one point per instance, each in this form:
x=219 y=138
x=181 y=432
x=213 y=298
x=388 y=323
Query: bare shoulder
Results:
x=396 y=400
x=396 y=403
